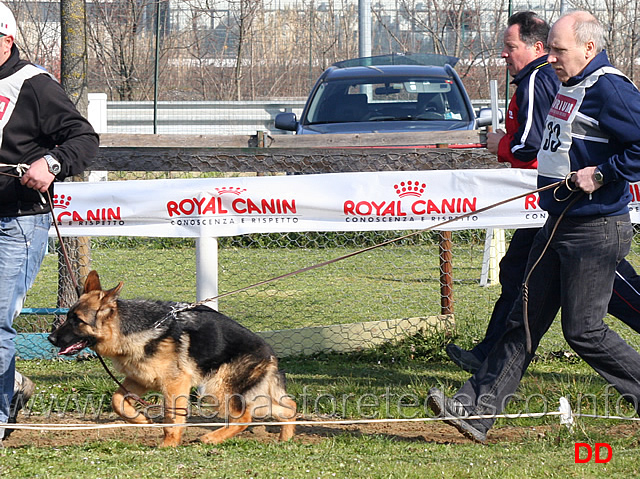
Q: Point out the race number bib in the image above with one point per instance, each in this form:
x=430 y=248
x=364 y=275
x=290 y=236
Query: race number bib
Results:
x=564 y=123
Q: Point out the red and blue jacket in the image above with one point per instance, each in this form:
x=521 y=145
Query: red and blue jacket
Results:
x=536 y=86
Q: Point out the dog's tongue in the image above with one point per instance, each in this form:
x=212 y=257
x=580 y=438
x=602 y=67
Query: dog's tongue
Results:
x=74 y=348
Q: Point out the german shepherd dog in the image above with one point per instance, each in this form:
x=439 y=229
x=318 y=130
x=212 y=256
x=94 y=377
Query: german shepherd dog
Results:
x=235 y=370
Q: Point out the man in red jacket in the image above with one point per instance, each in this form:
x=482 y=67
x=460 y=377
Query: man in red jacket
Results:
x=525 y=52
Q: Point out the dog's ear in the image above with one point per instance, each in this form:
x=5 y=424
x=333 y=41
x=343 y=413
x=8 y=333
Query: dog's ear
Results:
x=112 y=294
x=92 y=283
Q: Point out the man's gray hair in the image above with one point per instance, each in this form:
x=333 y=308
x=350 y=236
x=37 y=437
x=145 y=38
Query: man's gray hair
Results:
x=587 y=28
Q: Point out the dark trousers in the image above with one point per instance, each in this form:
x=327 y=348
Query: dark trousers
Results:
x=576 y=274
x=624 y=303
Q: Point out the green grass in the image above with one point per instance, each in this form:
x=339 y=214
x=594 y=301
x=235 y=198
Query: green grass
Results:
x=345 y=456
x=548 y=453
x=391 y=381
x=387 y=283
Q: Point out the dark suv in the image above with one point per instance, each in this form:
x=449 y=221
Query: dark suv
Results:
x=389 y=93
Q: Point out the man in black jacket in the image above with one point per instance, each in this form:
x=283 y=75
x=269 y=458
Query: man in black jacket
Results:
x=43 y=137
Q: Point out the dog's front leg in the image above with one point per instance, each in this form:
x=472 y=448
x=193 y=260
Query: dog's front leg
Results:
x=124 y=401
x=176 y=409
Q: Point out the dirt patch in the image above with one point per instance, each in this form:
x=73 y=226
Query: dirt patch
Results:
x=429 y=432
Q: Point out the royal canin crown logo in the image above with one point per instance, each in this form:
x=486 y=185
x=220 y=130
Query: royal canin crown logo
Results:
x=370 y=209
x=61 y=201
x=98 y=216
x=410 y=188
x=234 y=190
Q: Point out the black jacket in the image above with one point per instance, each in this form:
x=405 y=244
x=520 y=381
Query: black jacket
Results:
x=37 y=117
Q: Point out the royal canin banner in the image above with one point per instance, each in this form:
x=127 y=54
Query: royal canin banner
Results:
x=214 y=207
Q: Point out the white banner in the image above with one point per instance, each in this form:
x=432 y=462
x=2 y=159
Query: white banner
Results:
x=213 y=207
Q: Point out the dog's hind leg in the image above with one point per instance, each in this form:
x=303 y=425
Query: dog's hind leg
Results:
x=285 y=411
x=236 y=412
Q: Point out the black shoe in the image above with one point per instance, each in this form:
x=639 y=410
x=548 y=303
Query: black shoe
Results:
x=453 y=409
x=23 y=389
x=462 y=358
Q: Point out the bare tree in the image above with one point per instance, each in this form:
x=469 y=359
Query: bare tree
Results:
x=121 y=40
x=73 y=78
x=245 y=15
x=620 y=20
x=39 y=33
x=230 y=50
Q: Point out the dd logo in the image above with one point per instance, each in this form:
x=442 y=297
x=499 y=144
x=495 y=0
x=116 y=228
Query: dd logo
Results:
x=589 y=452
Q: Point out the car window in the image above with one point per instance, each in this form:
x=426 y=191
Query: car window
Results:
x=419 y=99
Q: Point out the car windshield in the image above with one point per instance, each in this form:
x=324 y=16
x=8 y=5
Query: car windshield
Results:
x=405 y=99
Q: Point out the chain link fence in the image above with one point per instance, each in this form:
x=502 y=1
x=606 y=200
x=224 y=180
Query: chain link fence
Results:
x=387 y=294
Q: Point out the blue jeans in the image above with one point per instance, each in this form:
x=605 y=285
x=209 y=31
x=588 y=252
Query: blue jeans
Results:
x=576 y=274
x=23 y=243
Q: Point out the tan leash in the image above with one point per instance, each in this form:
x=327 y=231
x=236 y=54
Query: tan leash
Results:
x=525 y=286
x=175 y=311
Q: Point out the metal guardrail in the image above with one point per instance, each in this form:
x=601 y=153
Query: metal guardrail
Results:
x=195 y=117
x=198 y=118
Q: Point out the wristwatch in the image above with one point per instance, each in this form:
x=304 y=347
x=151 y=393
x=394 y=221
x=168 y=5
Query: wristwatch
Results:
x=54 y=165
x=597 y=175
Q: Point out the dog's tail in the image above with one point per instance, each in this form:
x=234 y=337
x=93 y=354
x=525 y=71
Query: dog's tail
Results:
x=283 y=378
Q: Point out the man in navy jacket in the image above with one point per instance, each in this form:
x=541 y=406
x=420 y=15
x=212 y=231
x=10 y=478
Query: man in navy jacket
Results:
x=525 y=52
x=592 y=141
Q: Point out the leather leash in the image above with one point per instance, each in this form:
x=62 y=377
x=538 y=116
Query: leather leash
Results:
x=525 y=286
x=182 y=411
x=175 y=311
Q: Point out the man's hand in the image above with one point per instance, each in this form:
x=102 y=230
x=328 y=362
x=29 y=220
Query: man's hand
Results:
x=585 y=180
x=493 y=140
x=38 y=176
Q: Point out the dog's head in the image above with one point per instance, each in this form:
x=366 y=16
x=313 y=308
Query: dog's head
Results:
x=86 y=319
